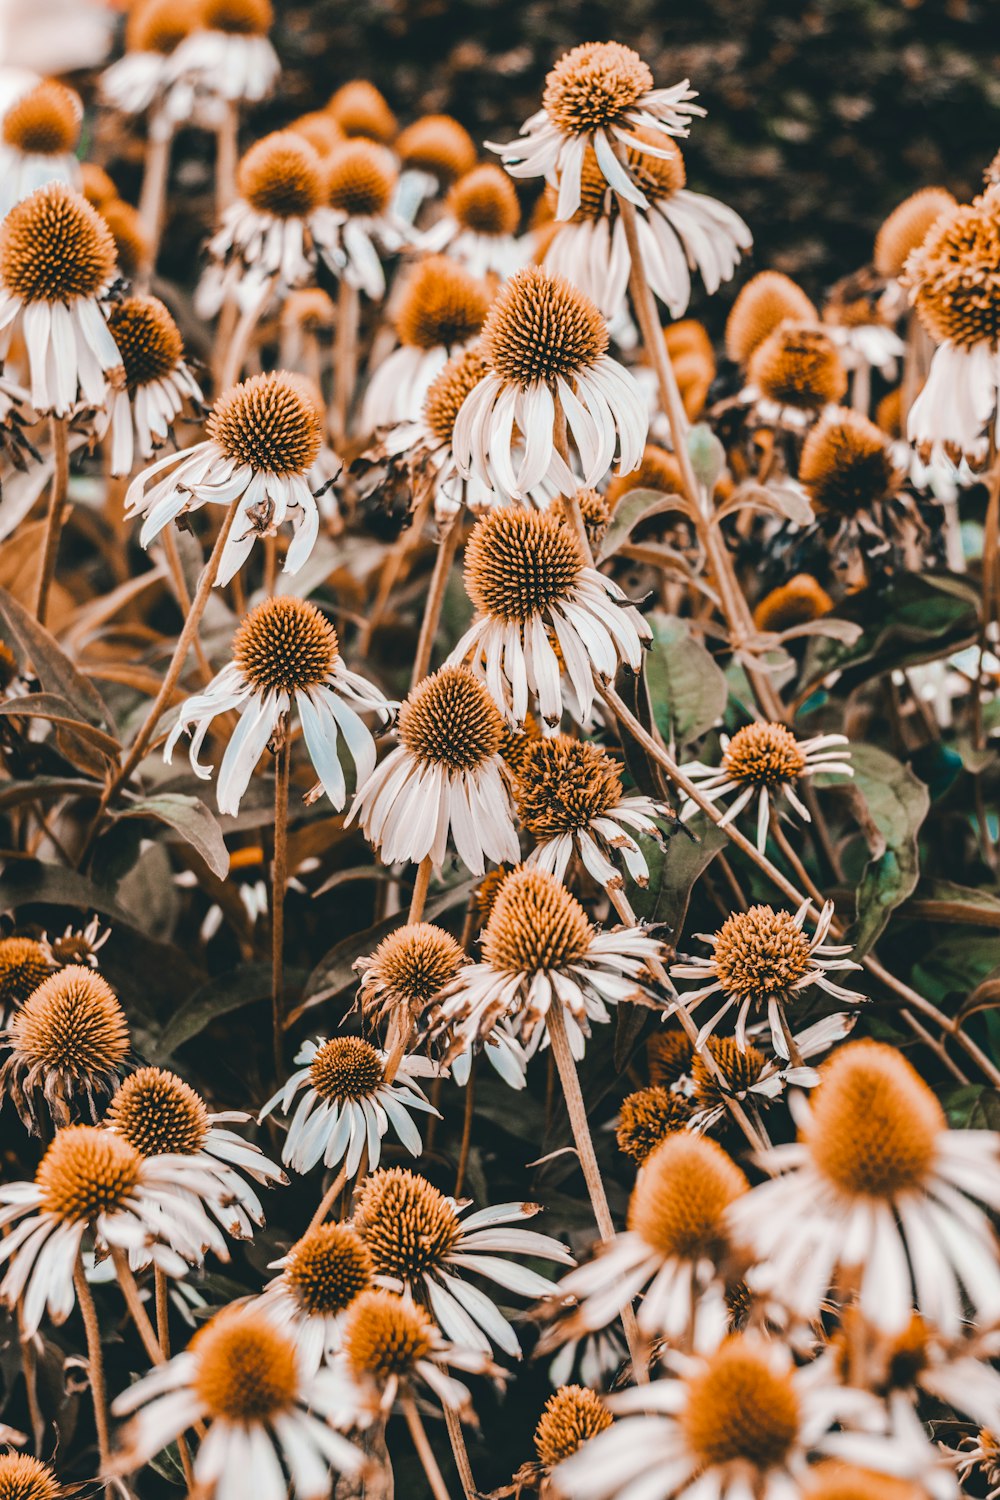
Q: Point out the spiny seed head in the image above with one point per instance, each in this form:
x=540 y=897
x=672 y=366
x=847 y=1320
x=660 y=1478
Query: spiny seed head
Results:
x=595 y=514
x=907 y=227
x=159 y=1114
x=764 y=755
x=54 y=246
x=767 y=300
x=74 y=1023
x=246 y=1369
x=659 y=470
x=85 y=1172
x=647 y=1117
x=796 y=602
x=97 y=186
x=409 y=968
x=592 y=86
x=680 y=1198
x=128 y=232
x=846 y=464
x=799 y=366
x=159 y=25
x=541 y=326
x=320 y=130
x=447 y=392
x=740 y=1067
x=668 y=1056
x=360 y=178
x=954 y=275
x=441 y=304
x=437 y=144
x=740 y=1409
x=516 y=742
x=23 y=965
x=535 y=925
x=519 y=562
x=385 y=1336
x=449 y=719
x=346 y=1067
x=485 y=201
x=836 y=1481
x=327 y=1268
x=563 y=784
x=760 y=952
x=45 y=121
x=572 y=1416
x=266 y=422
x=359 y=109
x=237 y=17
x=25 y=1478
x=285 y=645
x=487 y=891
x=874 y=1125
x=408 y=1225
x=281 y=175
x=148 y=339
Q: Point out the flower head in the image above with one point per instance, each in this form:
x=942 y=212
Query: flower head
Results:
x=361 y=110
x=320 y=1277
x=846 y=463
x=25 y=1478
x=647 y=1117
x=766 y=301
x=226 y=56
x=907 y=227
x=439 y=145
x=800 y=600
x=798 y=366
x=479 y=223
x=45 y=121
x=407 y=971
x=573 y=1415
x=23 y=966
x=157 y=380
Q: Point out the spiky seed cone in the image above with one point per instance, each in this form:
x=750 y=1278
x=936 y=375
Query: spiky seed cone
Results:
x=449 y=719
x=764 y=754
x=320 y=130
x=668 y=1055
x=437 y=144
x=25 y=1478
x=148 y=339
x=760 y=952
x=846 y=463
x=907 y=227
x=485 y=201
x=23 y=965
x=540 y=327
x=647 y=1118
x=160 y=25
x=346 y=1067
x=72 y=1023
x=535 y=924
x=45 y=121
x=97 y=186
x=54 y=246
x=327 y=1268
x=739 y=1409
x=573 y=1415
x=281 y=175
x=246 y=1369
x=740 y=1068
x=798 y=366
x=954 y=275
x=682 y=1194
x=285 y=645
x=86 y=1172
x=267 y=423
x=360 y=178
x=441 y=304
x=519 y=562
x=563 y=783
x=384 y=1336
x=360 y=110
x=767 y=300
x=159 y=1114
x=592 y=85
x=408 y=969
x=408 y=1226
x=447 y=392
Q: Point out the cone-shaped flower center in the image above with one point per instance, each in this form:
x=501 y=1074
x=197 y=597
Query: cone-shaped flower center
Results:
x=450 y=720
x=485 y=201
x=541 y=326
x=73 y=1021
x=385 y=1336
x=246 y=1369
x=535 y=924
x=593 y=85
x=519 y=562
x=573 y=1414
x=85 y=1172
x=360 y=178
x=765 y=754
x=45 y=120
x=740 y=1409
x=23 y=965
x=412 y=965
x=680 y=1199
x=441 y=304
x=267 y=424
x=563 y=783
x=328 y=1267
x=159 y=1114
x=148 y=339
x=408 y=1226
x=285 y=645
x=955 y=275
x=281 y=175
x=345 y=1067
x=760 y=952
x=846 y=464
x=447 y=391
x=54 y=246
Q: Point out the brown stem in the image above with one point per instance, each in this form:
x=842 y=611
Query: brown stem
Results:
x=460 y=1453
x=173 y=556
x=54 y=518
x=134 y=1302
x=463 y=1153
x=328 y=1199
x=345 y=358
x=162 y=1311
x=420 y=886
x=227 y=154
x=279 y=880
x=425 y=1452
x=95 y=1366
x=236 y=351
x=29 y=1365
x=435 y=598
x=153 y=196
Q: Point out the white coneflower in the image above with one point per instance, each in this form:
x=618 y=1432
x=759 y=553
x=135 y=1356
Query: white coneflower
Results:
x=408 y=970
x=954 y=285
x=320 y=1277
x=570 y=799
x=142 y=411
x=141 y=79
x=479 y=224
x=440 y=312
x=160 y=1115
x=539 y=950
x=263 y=440
x=361 y=110
x=596 y=96
x=749 y=1075
x=347 y=1105
x=358 y=223
x=92 y=1179
x=876 y=1197
x=39 y=135
x=674 y=1247
x=57 y=265
x=541 y=612
x=285 y=655
x=444 y=778
x=764 y=761
x=415 y=1234
x=227 y=54
x=434 y=152
x=545 y=342
x=271 y=1422
x=739 y=1421
x=762 y=961
x=679 y=232
x=69 y=1046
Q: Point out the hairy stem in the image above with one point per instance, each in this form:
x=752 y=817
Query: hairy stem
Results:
x=425 y=1452
x=95 y=1367
x=54 y=518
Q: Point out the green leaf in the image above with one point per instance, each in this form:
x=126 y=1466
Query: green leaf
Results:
x=892 y=805
x=223 y=994
x=57 y=710
x=673 y=872
x=189 y=817
x=52 y=666
x=635 y=506
x=973 y=1107
x=686 y=687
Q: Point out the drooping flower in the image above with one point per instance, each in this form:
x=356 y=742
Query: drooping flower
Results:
x=417 y=1235
x=438 y=145
x=797 y=370
x=877 y=1198
x=407 y=971
x=478 y=227
x=647 y=1117
x=143 y=409
x=228 y=55
x=761 y=963
x=320 y=1277
x=907 y=227
x=347 y=1105
x=536 y=596
x=360 y=109
x=445 y=777
x=141 y=79
x=599 y=95
x=390 y=1346
x=285 y=655
x=39 y=135
x=763 y=762
x=359 y=220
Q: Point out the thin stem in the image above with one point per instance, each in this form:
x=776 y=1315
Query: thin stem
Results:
x=29 y=1366
x=463 y=1153
x=162 y=1311
x=173 y=556
x=95 y=1366
x=435 y=598
x=460 y=1453
x=54 y=518
x=424 y=1450
x=227 y=154
x=153 y=196
x=328 y=1199
x=420 y=887
x=279 y=880
x=345 y=358
x=134 y=1302
x=236 y=352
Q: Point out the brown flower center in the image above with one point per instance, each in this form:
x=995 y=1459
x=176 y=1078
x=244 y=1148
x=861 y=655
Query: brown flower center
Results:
x=519 y=562
x=907 y=227
x=437 y=144
x=739 y=1409
x=345 y=1067
x=593 y=85
x=799 y=367
x=384 y=1336
x=846 y=464
x=535 y=924
x=237 y=17
x=282 y=176
x=44 y=121
x=159 y=25
x=148 y=339
x=680 y=1200
x=25 y=1478
x=441 y=304
x=360 y=178
x=23 y=965
x=285 y=645
x=246 y=1369
x=573 y=1415
x=485 y=201
x=73 y=1023
x=327 y=1268
x=759 y=953
x=766 y=301
x=54 y=246
x=563 y=784
x=409 y=968
x=85 y=1172
x=541 y=326
x=740 y=1069
x=764 y=754
x=449 y=719
x=159 y=1114
x=359 y=109
x=955 y=275
x=408 y=1226
x=267 y=424
x=648 y=1117
x=447 y=392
